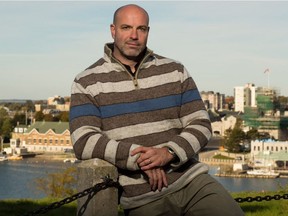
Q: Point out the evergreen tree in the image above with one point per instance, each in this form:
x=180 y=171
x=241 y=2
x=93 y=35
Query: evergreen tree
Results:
x=233 y=137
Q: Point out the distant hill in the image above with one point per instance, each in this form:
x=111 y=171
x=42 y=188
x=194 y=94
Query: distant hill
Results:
x=20 y=101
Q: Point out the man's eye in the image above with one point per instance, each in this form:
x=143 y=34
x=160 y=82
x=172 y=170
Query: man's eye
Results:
x=143 y=29
x=125 y=27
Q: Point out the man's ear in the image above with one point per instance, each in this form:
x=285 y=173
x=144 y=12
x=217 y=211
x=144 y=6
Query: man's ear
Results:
x=112 y=30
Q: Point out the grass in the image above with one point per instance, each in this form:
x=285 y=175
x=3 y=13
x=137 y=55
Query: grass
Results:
x=25 y=206
x=219 y=156
x=263 y=208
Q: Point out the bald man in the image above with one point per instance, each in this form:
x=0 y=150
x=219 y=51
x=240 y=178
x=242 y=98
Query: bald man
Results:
x=143 y=113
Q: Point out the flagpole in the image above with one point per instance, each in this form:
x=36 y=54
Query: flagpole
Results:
x=268 y=77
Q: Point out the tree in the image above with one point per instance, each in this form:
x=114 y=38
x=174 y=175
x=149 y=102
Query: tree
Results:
x=64 y=116
x=19 y=118
x=252 y=134
x=39 y=116
x=58 y=185
x=3 y=116
x=30 y=105
x=6 y=128
x=233 y=137
x=48 y=117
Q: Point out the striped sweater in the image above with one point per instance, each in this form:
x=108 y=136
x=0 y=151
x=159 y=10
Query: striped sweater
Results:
x=113 y=113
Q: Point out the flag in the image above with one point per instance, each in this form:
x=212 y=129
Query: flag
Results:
x=267 y=70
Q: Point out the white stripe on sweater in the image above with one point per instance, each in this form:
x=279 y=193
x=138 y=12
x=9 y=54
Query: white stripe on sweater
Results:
x=143 y=129
x=89 y=146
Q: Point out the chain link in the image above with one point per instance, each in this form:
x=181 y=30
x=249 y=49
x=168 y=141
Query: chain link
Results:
x=260 y=199
x=107 y=182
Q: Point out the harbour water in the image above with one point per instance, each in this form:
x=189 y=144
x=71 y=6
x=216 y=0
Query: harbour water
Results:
x=17 y=179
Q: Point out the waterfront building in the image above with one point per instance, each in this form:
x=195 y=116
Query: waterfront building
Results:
x=269 y=153
x=44 y=137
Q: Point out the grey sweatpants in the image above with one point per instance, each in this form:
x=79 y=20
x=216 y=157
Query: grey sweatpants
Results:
x=204 y=196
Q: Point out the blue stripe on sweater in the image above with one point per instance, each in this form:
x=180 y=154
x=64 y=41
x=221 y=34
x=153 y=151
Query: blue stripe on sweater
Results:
x=141 y=106
x=135 y=107
x=84 y=110
x=150 y=104
x=190 y=96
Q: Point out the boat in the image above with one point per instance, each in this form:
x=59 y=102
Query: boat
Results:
x=67 y=160
x=263 y=172
x=27 y=154
x=15 y=157
x=75 y=160
x=3 y=158
x=72 y=160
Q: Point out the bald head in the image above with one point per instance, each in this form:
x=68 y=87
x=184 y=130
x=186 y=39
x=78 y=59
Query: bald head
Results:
x=128 y=9
x=130 y=30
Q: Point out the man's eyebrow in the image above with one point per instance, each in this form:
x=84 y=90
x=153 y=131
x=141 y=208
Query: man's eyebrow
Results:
x=140 y=26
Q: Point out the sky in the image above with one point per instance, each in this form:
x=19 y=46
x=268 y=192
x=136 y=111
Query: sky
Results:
x=223 y=44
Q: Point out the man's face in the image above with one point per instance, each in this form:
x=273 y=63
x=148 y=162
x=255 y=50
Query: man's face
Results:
x=130 y=33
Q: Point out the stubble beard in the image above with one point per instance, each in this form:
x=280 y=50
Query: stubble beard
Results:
x=130 y=54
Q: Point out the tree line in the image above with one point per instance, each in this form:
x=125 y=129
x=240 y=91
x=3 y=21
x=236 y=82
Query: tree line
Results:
x=13 y=114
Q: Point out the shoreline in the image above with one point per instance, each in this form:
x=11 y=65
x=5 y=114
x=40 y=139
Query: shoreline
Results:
x=44 y=157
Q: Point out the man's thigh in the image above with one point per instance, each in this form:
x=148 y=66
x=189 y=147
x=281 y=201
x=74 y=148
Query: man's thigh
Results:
x=202 y=196
x=206 y=196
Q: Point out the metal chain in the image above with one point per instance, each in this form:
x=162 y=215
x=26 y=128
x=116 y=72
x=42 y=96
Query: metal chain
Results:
x=107 y=182
x=260 y=199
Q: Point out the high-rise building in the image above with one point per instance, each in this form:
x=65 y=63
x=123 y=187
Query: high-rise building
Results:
x=213 y=101
x=245 y=96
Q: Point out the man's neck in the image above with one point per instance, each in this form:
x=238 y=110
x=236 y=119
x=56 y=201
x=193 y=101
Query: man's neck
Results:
x=131 y=62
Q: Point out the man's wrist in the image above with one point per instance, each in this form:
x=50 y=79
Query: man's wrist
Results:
x=171 y=152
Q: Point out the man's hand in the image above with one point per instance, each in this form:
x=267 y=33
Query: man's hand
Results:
x=157 y=178
x=152 y=158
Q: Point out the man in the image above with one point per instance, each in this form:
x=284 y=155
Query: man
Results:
x=143 y=113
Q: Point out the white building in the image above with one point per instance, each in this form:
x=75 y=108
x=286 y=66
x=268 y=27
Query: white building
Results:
x=244 y=96
x=269 y=153
x=271 y=146
x=219 y=127
x=213 y=101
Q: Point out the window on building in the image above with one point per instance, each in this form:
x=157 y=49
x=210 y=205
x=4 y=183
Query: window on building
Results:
x=45 y=141
x=56 y=141
x=34 y=141
x=62 y=142
x=67 y=142
x=50 y=141
x=40 y=140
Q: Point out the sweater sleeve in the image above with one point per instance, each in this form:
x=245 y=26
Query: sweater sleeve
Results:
x=88 y=139
x=196 y=125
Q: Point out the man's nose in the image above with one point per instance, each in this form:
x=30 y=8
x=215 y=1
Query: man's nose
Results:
x=134 y=34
